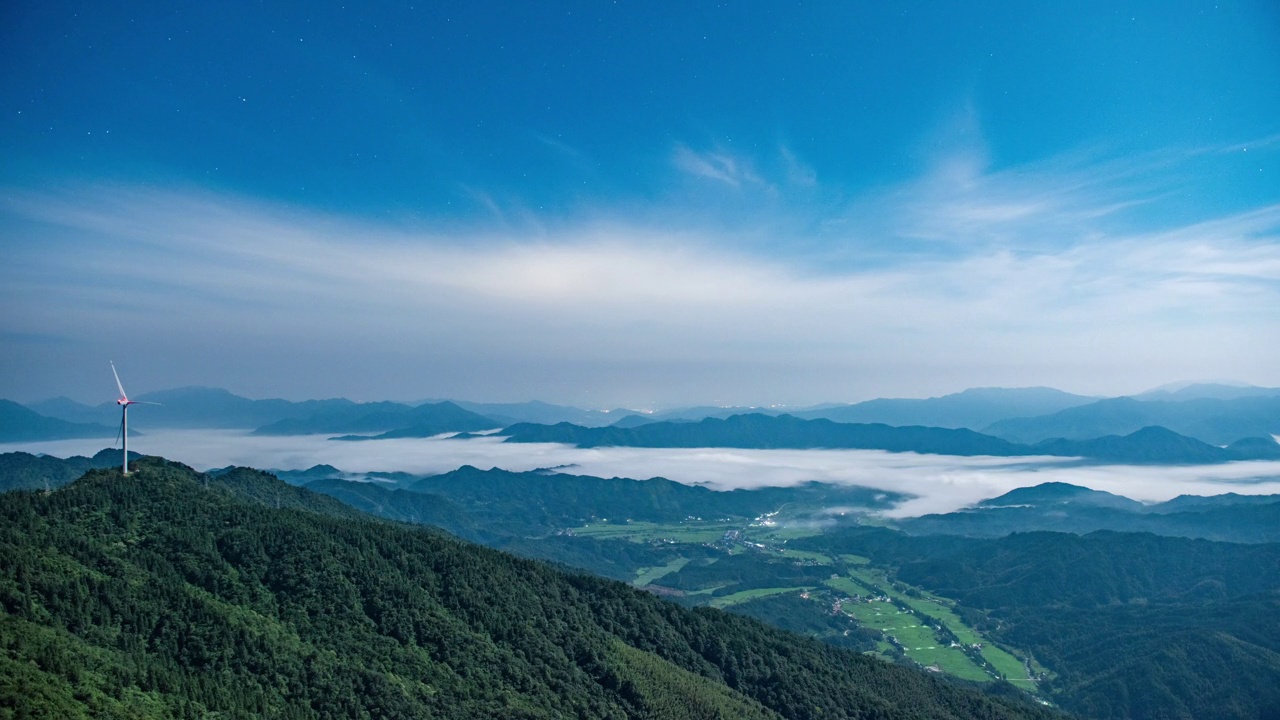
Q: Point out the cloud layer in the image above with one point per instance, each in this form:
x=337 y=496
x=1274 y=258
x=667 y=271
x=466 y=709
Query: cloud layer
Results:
x=940 y=483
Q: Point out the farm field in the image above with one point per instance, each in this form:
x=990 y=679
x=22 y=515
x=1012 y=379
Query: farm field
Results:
x=918 y=642
x=1001 y=661
x=917 y=639
x=745 y=595
x=686 y=532
x=647 y=575
x=814 y=557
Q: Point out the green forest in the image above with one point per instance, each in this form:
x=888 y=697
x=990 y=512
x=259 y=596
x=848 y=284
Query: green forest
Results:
x=168 y=593
x=1133 y=625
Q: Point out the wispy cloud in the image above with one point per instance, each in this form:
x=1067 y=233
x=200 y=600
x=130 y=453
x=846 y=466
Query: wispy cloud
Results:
x=719 y=165
x=962 y=276
x=796 y=170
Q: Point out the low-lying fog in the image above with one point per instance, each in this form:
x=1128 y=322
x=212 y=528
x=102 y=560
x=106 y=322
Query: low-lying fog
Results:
x=941 y=483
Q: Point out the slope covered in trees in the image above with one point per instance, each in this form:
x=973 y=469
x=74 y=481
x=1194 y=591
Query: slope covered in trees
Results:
x=170 y=594
x=1133 y=625
x=24 y=471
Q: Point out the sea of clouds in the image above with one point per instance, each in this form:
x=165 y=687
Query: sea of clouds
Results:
x=939 y=483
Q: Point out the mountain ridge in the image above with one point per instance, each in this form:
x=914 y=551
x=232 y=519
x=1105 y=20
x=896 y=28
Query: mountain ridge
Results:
x=974 y=408
x=22 y=424
x=246 y=609
x=1210 y=420
x=1148 y=445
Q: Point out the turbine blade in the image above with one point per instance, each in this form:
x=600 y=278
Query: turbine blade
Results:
x=144 y=402
x=118 y=385
x=120 y=432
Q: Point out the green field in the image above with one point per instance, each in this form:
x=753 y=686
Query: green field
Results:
x=644 y=576
x=686 y=532
x=746 y=595
x=818 y=558
x=1001 y=662
x=779 y=533
x=940 y=609
x=920 y=643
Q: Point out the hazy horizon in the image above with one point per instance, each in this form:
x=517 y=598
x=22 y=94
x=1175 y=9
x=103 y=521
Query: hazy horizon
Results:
x=108 y=397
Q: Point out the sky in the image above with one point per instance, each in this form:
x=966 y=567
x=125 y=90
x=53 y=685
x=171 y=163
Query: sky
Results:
x=646 y=205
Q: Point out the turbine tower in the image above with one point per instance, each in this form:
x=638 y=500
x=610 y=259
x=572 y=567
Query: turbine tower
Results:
x=124 y=402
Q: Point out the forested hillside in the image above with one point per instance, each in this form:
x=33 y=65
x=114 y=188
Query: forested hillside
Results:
x=24 y=471
x=1133 y=625
x=171 y=594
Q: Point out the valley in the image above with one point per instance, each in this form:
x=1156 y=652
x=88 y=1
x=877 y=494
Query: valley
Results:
x=911 y=623
x=568 y=360
x=1082 y=584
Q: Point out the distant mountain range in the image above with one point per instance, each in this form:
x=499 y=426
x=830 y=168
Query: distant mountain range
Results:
x=389 y=420
x=195 y=407
x=1216 y=414
x=20 y=424
x=1061 y=507
x=768 y=432
x=1151 y=445
x=1211 y=391
x=539 y=412
x=974 y=409
x=1212 y=420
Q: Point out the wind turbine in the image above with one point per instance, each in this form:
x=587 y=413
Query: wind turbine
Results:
x=124 y=402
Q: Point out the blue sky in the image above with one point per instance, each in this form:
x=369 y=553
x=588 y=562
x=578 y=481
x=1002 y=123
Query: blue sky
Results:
x=639 y=204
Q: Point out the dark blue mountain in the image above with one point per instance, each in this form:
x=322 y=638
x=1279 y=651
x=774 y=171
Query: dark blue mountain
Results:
x=1061 y=507
x=765 y=432
x=1158 y=446
x=392 y=419
x=1055 y=494
x=1216 y=391
x=975 y=408
x=537 y=411
x=1146 y=446
x=1210 y=420
x=20 y=424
